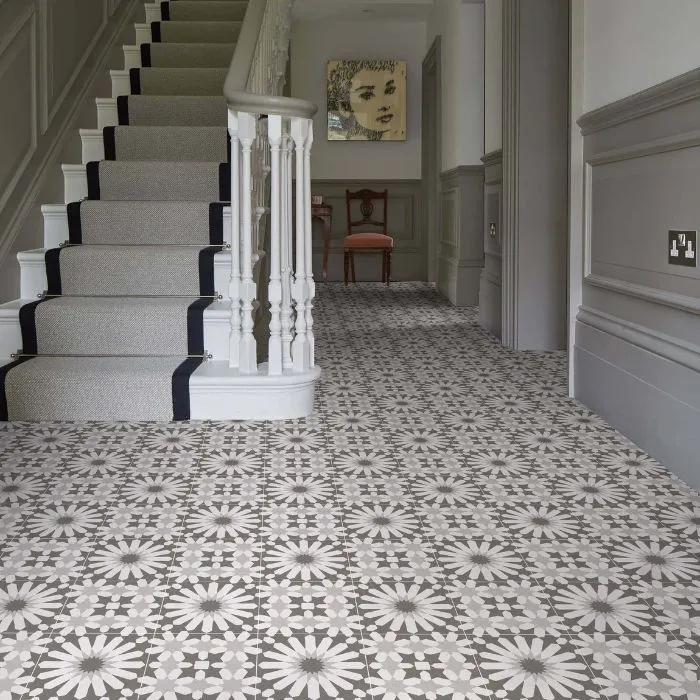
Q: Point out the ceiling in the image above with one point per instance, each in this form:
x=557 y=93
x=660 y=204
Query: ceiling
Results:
x=363 y=9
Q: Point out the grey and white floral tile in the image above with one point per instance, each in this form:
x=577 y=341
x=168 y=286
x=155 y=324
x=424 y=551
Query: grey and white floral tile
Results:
x=654 y=665
x=89 y=666
x=448 y=524
x=543 y=667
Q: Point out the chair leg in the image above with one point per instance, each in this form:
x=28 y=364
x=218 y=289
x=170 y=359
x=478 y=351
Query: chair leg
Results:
x=352 y=264
x=388 y=267
x=383 y=266
x=345 y=267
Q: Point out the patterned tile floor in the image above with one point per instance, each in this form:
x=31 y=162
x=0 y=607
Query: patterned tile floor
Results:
x=447 y=525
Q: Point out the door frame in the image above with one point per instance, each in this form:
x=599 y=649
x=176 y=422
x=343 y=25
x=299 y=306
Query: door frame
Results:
x=431 y=153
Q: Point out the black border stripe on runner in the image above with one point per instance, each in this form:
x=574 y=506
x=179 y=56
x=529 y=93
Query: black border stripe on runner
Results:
x=156 y=35
x=109 y=137
x=53 y=271
x=206 y=271
x=181 y=388
x=228 y=146
x=195 y=326
x=135 y=80
x=75 y=225
x=92 y=170
x=146 y=56
x=165 y=11
x=27 y=323
x=123 y=110
x=224 y=182
x=216 y=223
x=4 y=371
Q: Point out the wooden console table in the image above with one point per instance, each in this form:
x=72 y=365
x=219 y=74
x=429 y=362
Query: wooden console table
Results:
x=325 y=213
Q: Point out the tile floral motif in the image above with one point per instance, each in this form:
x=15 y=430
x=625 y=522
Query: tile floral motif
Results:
x=534 y=667
x=447 y=524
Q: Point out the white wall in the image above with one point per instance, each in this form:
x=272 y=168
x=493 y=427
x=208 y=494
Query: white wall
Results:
x=631 y=45
x=314 y=43
x=493 y=74
x=462 y=28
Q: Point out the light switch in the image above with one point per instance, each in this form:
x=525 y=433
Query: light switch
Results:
x=682 y=247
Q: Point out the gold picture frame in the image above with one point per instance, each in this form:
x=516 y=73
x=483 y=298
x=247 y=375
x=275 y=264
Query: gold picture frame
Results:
x=366 y=100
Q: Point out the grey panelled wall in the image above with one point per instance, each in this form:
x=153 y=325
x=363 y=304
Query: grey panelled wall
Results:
x=491 y=276
x=409 y=261
x=637 y=353
x=461 y=234
x=48 y=48
x=535 y=170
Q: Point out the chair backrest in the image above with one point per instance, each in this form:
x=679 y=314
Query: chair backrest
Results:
x=367 y=199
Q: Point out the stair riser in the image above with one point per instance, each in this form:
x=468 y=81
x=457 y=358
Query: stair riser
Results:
x=217 y=329
x=33 y=273
x=56 y=218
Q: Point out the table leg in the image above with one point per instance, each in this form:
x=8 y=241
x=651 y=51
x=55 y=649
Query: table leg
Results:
x=326 y=242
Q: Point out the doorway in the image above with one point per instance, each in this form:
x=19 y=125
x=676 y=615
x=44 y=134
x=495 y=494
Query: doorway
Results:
x=431 y=147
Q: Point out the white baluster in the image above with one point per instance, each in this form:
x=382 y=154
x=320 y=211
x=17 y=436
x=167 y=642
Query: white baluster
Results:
x=308 y=249
x=300 y=346
x=234 y=286
x=248 y=362
x=274 y=135
x=286 y=229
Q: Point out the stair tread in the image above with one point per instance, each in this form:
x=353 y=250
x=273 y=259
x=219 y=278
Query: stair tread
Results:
x=92 y=388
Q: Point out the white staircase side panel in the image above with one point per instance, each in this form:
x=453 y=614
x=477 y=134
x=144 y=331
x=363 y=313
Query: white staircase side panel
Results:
x=218 y=392
x=10 y=331
x=121 y=84
x=93 y=144
x=153 y=13
x=107 y=114
x=75 y=185
x=132 y=56
x=32 y=266
x=143 y=33
x=55 y=225
x=217 y=326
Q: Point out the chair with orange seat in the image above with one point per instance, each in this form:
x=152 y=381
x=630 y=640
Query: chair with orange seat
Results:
x=361 y=240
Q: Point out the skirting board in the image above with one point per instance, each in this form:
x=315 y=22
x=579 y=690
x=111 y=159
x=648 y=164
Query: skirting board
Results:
x=659 y=422
x=458 y=280
x=490 y=304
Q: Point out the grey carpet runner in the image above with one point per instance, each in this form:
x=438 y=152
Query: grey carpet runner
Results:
x=121 y=326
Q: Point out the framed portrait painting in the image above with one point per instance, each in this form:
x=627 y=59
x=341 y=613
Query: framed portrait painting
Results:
x=366 y=100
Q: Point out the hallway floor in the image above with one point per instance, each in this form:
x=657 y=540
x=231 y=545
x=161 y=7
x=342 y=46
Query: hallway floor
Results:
x=448 y=524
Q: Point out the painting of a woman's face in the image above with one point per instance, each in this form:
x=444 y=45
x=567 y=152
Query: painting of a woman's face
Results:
x=376 y=102
x=367 y=100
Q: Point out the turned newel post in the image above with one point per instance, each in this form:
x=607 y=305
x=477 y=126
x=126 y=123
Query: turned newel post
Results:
x=248 y=351
x=274 y=135
x=301 y=354
x=234 y=286
x=308 y=242
x=286 y=235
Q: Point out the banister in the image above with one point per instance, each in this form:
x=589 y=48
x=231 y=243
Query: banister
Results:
x=244 y=53
x=237 y=96
x=255 y=103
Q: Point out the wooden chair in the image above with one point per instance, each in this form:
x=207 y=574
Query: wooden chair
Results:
x=367 y=241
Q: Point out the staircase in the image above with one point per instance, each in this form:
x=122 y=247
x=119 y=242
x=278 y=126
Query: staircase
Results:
x=145 y=300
